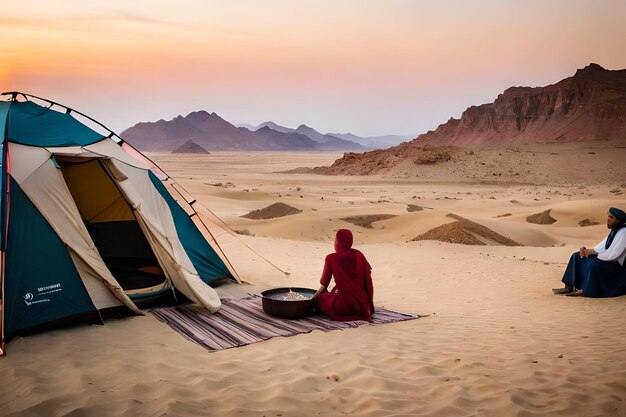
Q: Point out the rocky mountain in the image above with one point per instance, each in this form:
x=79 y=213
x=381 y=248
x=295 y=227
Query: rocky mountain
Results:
x=325 y=141
x=591 y=105
x=247 y=126
x=287 y=141
x=211 y=132
x=274 y=126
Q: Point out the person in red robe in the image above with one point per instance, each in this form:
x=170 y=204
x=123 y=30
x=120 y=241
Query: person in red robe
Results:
x=352 y=298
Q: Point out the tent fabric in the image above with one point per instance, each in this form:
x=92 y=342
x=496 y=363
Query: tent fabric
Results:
x=47 y=186
x=110 y=149
x=4 y=112
x=101 y=297
x=44 y=284
x=95 y=194
x=205 y=260
x=3 y=201
x=78 y=151
x=47 y=189
x=71 y=187
x=155 y=217
x=31 y=124
x=25 y=160
x=135 y=154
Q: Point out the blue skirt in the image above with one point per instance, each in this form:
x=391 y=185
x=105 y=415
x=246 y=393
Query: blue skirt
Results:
x=595 y=277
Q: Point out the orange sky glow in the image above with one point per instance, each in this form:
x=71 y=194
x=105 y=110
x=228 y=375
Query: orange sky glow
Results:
x=360 y=66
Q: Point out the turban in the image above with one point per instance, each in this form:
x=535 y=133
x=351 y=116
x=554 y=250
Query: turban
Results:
x=618 y=214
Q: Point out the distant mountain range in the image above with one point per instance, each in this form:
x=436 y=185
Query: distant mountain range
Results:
x=374 y=142
x=370 y=142
x=200 y=132
x=590 y=105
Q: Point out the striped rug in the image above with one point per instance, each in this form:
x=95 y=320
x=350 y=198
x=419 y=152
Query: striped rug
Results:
x=242 y=321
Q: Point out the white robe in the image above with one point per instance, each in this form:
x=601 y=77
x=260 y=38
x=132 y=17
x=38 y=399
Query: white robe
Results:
x=617 y=250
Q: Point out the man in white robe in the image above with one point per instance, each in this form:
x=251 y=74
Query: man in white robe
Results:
x=599 y=272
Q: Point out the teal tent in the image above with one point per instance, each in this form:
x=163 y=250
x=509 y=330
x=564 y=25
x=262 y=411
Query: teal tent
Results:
x=90 y=225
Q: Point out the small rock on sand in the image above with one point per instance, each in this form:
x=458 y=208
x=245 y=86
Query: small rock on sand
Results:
x=412 y=207
x=587 y=222
x=504 y=215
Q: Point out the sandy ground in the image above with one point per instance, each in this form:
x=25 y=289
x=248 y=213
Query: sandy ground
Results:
x=496 y=342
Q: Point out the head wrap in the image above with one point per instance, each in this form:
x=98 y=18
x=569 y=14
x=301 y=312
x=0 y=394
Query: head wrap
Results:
x=618 y=214
x=343 y=240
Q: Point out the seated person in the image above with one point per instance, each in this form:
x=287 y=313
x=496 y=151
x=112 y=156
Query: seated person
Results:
x=599 y=272
x=352 y=298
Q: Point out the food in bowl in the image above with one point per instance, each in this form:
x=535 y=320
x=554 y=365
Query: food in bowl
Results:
x=291 y=302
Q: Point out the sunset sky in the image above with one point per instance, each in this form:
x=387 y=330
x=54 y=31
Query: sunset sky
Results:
x=360 y=66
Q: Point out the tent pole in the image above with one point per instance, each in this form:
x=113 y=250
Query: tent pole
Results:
x=68 y=110
x=4 y=215
x=2 y=350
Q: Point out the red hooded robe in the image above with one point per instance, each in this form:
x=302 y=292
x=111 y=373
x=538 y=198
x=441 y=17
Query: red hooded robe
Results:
x=353 y=295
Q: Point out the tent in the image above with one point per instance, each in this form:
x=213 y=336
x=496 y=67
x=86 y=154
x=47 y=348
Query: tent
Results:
x=90 y=225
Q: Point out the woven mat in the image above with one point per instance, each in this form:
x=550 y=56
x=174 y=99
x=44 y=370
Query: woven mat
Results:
x=242 y=321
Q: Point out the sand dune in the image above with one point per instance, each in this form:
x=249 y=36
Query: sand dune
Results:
x=273 y=211
x=496 y=342
x=524 y=234
x=367 y=220
x=465 y=232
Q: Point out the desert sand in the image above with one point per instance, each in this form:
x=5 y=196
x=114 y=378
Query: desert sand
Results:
x=495 y=340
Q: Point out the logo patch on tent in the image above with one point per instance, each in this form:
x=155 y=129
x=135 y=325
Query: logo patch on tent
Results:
x=30 y=299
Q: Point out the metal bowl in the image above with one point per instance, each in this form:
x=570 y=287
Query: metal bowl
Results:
x=275 y=304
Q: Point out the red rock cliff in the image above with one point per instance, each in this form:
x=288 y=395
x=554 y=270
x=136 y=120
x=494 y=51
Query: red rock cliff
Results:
x=591 y=105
